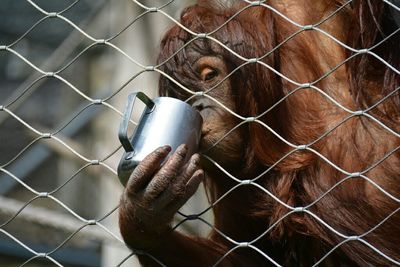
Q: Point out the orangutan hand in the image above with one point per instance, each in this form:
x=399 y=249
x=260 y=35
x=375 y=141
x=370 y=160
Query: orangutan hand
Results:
x=153 y=195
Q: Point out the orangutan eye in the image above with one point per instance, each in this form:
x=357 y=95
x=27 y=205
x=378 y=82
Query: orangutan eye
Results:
x=208 y=74
x=199 y=106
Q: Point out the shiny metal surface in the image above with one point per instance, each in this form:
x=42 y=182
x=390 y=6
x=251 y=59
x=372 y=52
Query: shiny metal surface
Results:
x=169 y=122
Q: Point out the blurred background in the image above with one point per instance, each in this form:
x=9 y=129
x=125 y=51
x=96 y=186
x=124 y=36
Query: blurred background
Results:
x=52 y=70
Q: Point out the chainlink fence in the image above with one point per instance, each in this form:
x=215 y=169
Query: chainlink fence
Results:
x=66 y=68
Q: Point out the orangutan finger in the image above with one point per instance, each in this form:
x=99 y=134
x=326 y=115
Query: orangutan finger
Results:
x=167 y=173
x=142 y=174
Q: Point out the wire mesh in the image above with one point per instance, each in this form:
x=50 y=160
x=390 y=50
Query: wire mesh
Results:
x=76 y=223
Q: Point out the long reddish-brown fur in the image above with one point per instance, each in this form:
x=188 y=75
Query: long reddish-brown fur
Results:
x=352 y=143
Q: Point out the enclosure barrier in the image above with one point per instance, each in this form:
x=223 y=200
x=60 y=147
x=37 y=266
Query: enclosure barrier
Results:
x=96 y=226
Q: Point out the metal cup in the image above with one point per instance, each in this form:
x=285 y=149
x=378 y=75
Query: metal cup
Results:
x=165 y=121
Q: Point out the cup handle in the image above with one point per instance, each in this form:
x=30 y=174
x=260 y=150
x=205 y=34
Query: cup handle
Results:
x=123 y=128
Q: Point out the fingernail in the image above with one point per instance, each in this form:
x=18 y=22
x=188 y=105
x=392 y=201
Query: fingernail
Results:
x=182 y=149
x=165 y=148
x=195 y=159
x=200 y=174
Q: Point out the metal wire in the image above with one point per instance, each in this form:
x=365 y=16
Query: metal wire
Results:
x=7 y=108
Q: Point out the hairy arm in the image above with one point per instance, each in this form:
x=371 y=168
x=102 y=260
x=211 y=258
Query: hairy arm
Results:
x=178 y=250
